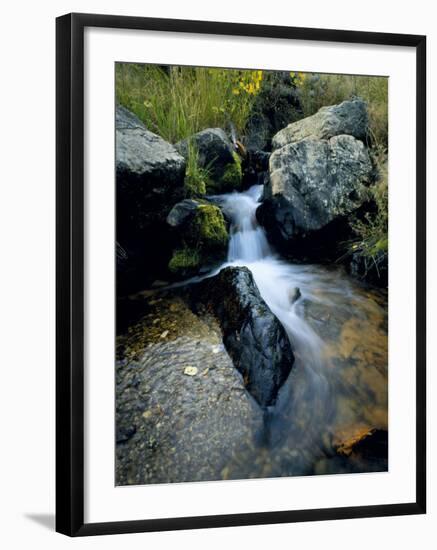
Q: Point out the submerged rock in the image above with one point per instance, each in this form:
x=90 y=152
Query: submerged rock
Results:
x=255 y=339
x=216 y=155
x=182 y=411
x=149 y=180
x=315 y=185
x=349 y=117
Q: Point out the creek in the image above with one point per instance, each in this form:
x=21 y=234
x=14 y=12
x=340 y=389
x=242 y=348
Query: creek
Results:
x=338 y=330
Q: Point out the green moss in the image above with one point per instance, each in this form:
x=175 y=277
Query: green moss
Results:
x=208 y=228
x=184 y=261
x=230 y=180
x=233 y=174
x=203 y=241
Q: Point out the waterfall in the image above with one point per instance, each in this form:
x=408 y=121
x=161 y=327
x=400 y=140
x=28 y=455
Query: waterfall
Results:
x=277 y=280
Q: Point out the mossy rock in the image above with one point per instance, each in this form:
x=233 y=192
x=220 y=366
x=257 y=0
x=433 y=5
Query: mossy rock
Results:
x=208 y=228
x=217 y=164
x=204 y=241
x=229 y=180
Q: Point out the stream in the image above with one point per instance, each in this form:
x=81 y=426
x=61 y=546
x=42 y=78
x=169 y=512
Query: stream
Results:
x=338 y=330
x=183 y=411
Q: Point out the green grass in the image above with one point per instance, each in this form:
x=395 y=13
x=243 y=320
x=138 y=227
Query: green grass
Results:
x=176 y=102
x=196 y=177
x=371 y=242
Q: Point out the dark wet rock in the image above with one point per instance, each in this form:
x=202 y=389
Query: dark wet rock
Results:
x=276 y=105
x=174 y=427
x=150 y=177
x=253 y=336
x=216 y=154
x=294 y=294
x=314 y=188
x=349 y=117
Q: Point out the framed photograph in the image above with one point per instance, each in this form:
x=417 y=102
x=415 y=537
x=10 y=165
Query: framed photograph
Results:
x=240 y=274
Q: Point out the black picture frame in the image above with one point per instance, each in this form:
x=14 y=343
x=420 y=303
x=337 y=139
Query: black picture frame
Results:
x=70 y=273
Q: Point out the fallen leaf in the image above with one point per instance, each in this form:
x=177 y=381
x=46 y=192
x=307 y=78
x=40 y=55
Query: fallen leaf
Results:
x=190 y=371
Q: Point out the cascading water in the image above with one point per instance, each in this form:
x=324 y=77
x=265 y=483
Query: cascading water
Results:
x=317 y=398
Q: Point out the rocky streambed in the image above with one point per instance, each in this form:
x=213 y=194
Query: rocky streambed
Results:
x=186 y=413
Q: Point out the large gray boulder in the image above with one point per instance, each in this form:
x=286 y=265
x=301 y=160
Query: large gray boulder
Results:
x=144 y=159
x=349 y=117
x=314 y=185
x=253 y=336
x=149 y=181
x=216 y=154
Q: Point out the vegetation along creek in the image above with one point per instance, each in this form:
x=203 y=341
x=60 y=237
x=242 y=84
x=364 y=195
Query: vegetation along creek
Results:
x=251 y=276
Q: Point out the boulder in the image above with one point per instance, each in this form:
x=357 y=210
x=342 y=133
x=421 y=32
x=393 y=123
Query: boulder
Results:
x=149 y=180
x=216 y=154
x=349 y=117
x=314 y=186
x=253 y=336
x=148 y=168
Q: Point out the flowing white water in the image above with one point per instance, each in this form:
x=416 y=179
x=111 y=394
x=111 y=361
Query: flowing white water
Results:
x=277 y=280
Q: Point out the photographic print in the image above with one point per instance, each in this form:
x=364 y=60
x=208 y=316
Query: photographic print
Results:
x=251 y=274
